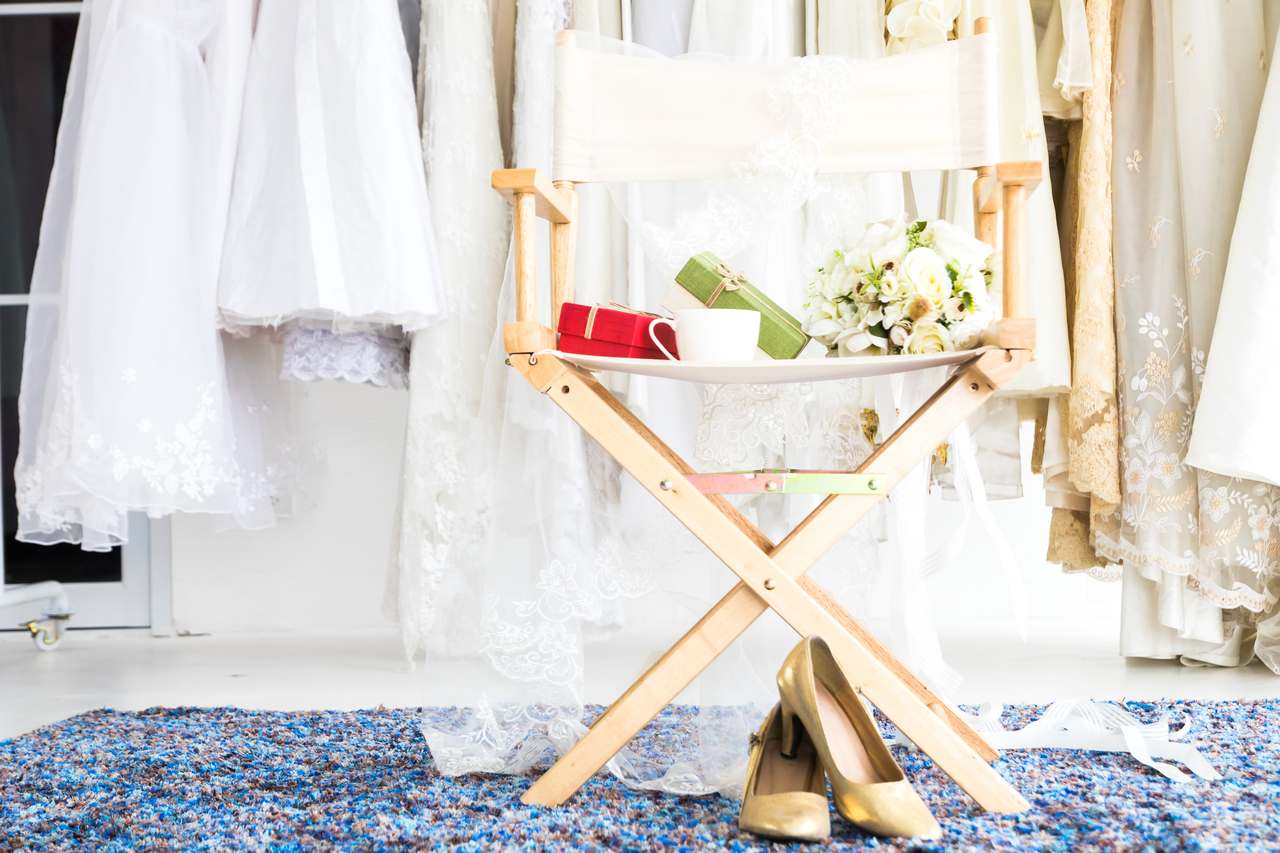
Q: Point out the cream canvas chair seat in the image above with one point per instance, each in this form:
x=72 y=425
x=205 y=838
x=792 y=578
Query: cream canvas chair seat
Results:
x=627 y=118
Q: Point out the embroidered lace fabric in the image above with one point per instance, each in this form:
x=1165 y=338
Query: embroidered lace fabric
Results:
x=1090 y=420
x=1181 y=151
x=374 y=358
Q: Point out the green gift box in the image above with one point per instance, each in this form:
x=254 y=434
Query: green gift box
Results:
x=717 y=285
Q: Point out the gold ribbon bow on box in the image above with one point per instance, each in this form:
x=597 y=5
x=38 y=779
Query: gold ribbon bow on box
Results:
x=612 y=306
x=733 y=280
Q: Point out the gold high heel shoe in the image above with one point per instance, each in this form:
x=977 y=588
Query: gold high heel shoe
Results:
x=784 y=797
x=870 y=788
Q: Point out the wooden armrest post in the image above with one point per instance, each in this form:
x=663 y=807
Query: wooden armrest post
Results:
x=1006 y=191
x=526 y=259
x=984 y=224
x=564 y=248
x=532 y=196
x=1015 y=307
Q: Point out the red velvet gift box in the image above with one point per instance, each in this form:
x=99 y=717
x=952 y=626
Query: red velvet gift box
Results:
x=611 y=330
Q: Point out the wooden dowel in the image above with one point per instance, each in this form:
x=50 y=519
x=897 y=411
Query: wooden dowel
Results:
x=1014 y=255
x=984 y=224
x=981 y=25
x=526 y=266
x=564 y=244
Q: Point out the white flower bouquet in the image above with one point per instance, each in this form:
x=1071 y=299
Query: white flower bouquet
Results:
x=902 y=288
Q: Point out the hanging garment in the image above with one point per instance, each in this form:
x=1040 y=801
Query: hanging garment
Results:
x=1088 y=477
x=125 y=401
x=329 y=224
x=1239 y=414
x=443 y=518
x=662 y=25
x=1063 y=63
x=1189 y=82
x=1234 y=432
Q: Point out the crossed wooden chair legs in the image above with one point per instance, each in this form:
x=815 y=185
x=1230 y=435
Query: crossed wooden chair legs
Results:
x=773 y=576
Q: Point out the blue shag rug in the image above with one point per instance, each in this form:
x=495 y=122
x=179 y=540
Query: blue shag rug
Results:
x=226 y=779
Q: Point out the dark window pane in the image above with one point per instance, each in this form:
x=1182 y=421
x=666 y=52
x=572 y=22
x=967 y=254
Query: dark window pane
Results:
x=35 y=55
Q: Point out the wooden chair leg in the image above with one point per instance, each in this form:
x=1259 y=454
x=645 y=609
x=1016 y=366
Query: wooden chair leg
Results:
x=772 y=584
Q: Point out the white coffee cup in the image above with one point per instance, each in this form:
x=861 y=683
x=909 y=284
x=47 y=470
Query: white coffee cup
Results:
x=712 y=334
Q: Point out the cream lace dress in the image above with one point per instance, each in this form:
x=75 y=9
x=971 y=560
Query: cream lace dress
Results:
x=1195 y=545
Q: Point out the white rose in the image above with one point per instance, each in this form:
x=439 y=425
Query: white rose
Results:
x=927 y=274
x=914 y=24
x=929 y=337
x=892 y=286
x=883 y=241
x=952 y=243
x=837 y=281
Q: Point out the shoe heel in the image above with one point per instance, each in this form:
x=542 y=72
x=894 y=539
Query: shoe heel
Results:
x=792 y=731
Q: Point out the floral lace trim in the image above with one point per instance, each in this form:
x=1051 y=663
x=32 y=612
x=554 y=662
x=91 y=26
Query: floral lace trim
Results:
x=180 y=470
x=359 y=357
x=1239 y=595
x=742 y=422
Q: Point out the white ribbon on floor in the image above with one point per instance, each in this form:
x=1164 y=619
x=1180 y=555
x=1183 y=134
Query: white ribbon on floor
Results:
x=1094 y=726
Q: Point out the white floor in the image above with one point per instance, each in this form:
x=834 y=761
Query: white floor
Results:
x=294 y=671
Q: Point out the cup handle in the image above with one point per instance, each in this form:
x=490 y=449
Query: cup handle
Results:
x=654 y=337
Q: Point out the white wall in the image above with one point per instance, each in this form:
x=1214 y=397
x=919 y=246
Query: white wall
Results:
x=324 y=569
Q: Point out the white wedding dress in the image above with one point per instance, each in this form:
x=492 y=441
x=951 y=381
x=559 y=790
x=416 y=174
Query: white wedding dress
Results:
x=127 y=400
x=1239 y=412
x=330 y=227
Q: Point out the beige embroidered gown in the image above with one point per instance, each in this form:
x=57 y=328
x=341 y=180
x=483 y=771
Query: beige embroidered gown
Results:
x=1189 y=84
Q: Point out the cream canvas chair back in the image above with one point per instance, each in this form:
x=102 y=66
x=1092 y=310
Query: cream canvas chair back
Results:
x=622 y=117
x=632 y=118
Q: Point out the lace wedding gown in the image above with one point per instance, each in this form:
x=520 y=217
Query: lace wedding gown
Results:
x=444 y=515
x=329 y=229
x=131 y=399
x=1189 y=84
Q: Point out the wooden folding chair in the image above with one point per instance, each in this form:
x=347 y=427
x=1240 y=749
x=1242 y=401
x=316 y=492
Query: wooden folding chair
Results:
x=772 y=575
